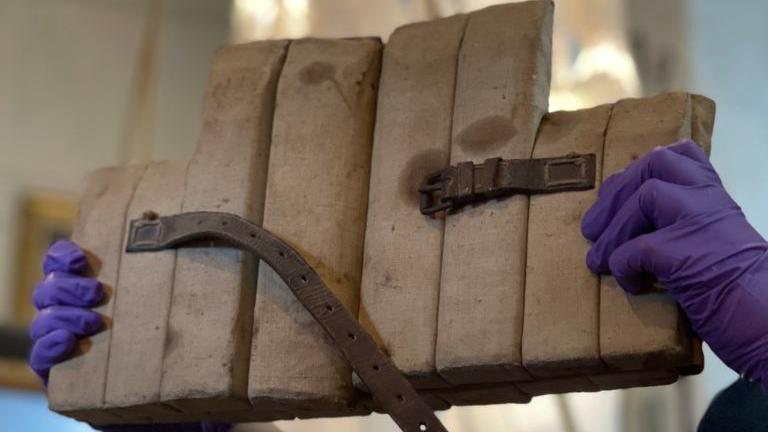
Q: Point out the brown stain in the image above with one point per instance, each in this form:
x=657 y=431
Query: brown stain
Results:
x=94 y=263
x=415 y=171
x=231 y=90
x=359 y=82
x=390 y=282
x=83 y=347
x=219 y=92
x=317 y=72
x=487 y=134
x=107 y=322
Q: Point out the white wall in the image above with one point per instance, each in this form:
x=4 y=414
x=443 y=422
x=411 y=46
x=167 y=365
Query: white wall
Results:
x=66 y=71
x=729 y=63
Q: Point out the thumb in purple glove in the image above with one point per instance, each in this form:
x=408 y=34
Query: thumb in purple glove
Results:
x=668 y=216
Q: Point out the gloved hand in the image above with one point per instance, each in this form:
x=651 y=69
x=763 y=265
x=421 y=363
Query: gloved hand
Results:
x=668 y=216
x=63 y=299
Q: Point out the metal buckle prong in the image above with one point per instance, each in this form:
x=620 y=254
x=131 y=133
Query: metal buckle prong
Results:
x=428 y=205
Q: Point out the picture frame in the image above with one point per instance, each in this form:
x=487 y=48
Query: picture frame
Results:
x=42 y=218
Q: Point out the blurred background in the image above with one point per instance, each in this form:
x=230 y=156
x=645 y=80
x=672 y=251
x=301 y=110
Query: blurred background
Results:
x=89 y=83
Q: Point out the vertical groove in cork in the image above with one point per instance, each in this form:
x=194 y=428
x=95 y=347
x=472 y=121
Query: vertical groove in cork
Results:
x=501 y=95
x=317 y=195
x=208 y=344
x=76 y=386
x=403 y=248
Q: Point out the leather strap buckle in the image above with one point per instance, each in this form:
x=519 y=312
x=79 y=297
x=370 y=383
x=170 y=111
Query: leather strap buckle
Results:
x=465 y=183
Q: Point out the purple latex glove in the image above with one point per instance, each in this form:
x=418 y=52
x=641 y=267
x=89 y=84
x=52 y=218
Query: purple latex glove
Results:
x=63 y=299
x=668 y=216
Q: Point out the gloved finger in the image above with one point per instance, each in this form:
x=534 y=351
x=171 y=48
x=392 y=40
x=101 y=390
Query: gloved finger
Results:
x=50 y=350
x=81 y=322
x=64 y=256
x=634 y=264
x=65 y=289
x=638 y=215
x=671 y=257
x=662 y=164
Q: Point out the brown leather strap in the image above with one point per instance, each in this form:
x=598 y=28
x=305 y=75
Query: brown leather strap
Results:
x=392 y=391
x=465 y=183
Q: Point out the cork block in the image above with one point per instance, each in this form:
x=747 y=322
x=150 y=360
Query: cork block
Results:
x=145 y=285
x=209 y=329
x=647 y=331
x=501 y=95
x=403 y=249
x=561 y=325
x=76 y=386
x=317 y=194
